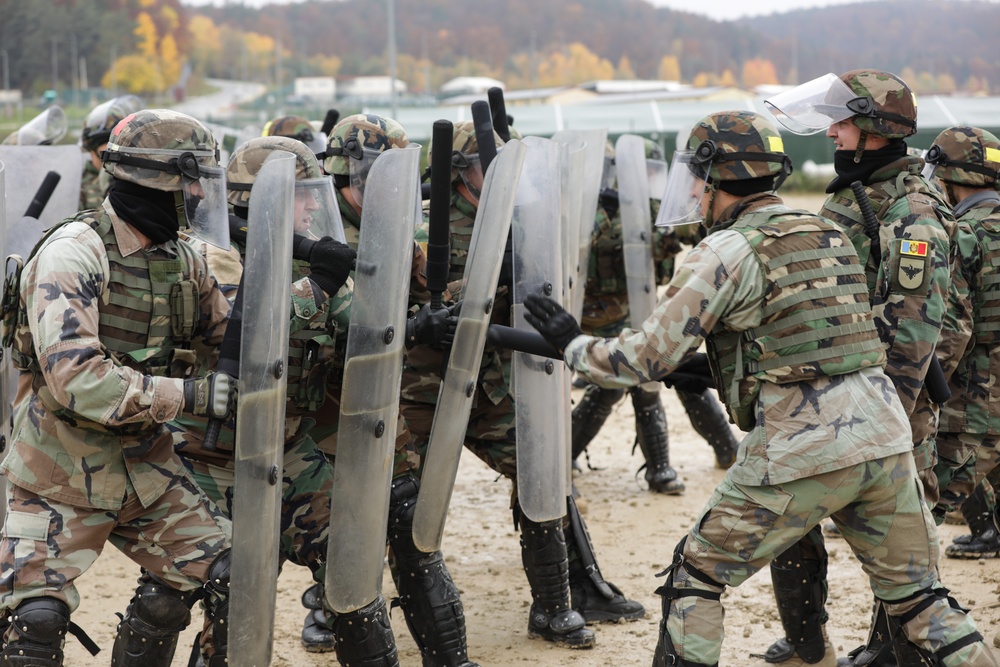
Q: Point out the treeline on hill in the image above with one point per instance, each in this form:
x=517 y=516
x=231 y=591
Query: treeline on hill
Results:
x=145 y=44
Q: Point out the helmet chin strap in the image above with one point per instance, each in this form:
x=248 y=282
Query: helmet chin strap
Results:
x=861 y=146
x=707 y=221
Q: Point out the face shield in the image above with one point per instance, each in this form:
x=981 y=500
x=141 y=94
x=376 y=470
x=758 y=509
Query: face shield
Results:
x=44 y=129
x=656 y=172
x=360 y=163
x=816 y=105
x=96 y=122
x=203 y=189
x=609 y=175
x=470 y=168
x=316 y=211
x=685 y=188
x=931 y=159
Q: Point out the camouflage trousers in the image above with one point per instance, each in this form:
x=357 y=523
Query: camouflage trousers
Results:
x=46 y=544
x=306 y=481
x=878 y=507
x=964 y=460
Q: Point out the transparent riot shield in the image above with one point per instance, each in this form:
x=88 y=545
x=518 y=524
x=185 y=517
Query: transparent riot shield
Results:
x=637 y=231
x=590 y=188
x=33 y=163
x=369 y=405
x=7 y=375
x=539 y=383
x=260 y=423
x=451 y=416
x=571 y=166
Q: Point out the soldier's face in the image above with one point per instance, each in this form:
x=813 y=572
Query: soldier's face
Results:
x=305 y=205
x=845 y=135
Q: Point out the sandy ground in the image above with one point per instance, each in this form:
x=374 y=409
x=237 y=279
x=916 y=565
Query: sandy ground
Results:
x=634 y=532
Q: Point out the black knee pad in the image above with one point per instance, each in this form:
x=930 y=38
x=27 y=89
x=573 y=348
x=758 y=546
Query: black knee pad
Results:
x=161 y=606
x=41 y=625
x=217 y=602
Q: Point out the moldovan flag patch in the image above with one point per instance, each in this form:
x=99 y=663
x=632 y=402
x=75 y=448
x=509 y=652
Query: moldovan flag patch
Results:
x=913 y=248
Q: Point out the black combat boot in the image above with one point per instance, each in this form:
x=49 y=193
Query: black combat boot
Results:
x=651 y=437
x=364 y=637
x=589 y=416
x=147 y=634
x=711 y=423
x=985 y=537
x=317 y=637
x=428 y=596
x=877 y=651
x=597 y=600
x=543 y=553
x=978 y=514
x=799 y=584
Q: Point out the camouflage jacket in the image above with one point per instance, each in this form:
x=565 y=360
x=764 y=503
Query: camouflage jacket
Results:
x=422 y=369
x=316 y=325
x=93 y=187
x=802 y=428
x=605 y=301
x=974 y=406
x=909 y=283
x=89 y=422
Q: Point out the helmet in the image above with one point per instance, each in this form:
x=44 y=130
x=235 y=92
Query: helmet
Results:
x=885 y=106
x=656 y=168
x=298 y=128
x=654 y=151
x=966 y=156
x=609 y=173
x=167 y=150
x=99 y=122
x=355 y=143
x=316 y=212
x=739 y=152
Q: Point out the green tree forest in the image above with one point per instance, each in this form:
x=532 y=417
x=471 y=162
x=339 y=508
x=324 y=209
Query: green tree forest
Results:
x=146 y=46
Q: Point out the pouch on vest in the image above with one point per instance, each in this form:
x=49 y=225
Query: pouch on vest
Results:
x=311 y=391
x=9 y=307
x=183 y=309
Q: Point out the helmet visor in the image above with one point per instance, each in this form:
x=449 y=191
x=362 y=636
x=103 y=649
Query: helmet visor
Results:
x=44 y=129
x=684 y=191
x=656 y=172
x=813 y=106
x=609 y=174
x=205 y=205
x=316 y=211
x=359 y=168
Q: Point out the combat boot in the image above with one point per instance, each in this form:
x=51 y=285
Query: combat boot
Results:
x=317 y=637
x=364 y=637
x=589 y=416
x=983 y=544
x=792 y=659
x=597 y=600
x=543 y=553
x=711 y=423
x=651 y=438
x=977 y=513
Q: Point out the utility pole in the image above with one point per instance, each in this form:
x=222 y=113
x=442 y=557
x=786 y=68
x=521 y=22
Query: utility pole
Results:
x=55 y=67
x=392 y=57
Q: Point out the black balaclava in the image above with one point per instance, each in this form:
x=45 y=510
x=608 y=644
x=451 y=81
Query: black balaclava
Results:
x=155 y=213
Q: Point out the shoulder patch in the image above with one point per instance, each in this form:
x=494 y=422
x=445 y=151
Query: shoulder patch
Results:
x=913 y=248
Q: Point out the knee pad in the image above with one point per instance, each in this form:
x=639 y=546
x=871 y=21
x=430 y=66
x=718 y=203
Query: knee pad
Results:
x=41 y=625
x=698 y=585
x=217 y=602
x=908 y=652
x=147 y=635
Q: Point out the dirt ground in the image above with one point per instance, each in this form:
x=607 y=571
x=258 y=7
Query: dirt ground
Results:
x=634 y=533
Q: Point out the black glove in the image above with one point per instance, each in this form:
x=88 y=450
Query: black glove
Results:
x=693 y=376
x=432 y=327
x=331 y=262
x=213 y=396
x=552 y=321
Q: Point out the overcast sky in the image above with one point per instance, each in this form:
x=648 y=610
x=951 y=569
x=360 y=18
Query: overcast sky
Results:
x=717 y=9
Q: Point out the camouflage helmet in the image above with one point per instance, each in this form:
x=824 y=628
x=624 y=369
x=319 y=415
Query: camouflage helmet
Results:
x=885 y=106
x=247 y=160
x=160 y=149
x=100 y=121
x=295 y=127
x=737 y=146
x=654 y=151
x=464 y=145
x=966 y=156
x=355 y=134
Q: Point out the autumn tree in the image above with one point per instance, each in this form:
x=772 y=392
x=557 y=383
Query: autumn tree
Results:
x=759 y=72
x=670 y=69
x=624 y=70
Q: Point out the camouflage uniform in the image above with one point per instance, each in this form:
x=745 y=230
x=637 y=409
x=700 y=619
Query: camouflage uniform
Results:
x=93 y=187
x=102 y=354
x=970 y=422
x=567 y=587
x=781 y=298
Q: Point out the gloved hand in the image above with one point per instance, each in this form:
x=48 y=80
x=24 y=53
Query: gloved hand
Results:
x=552 y=321
x=693 y=376
x=432 y=327
x=331 y=262
x=213 y=396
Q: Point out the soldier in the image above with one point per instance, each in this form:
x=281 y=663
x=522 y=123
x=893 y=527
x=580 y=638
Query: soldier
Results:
x=605 y=313
x=966 y=161
x=427 y=594
x=868 y=114
x=105 y=354
x=321 y=297
x=781 y=298
x=567 y=587
x=296 y=127
x=45 y=129
x=94 y=137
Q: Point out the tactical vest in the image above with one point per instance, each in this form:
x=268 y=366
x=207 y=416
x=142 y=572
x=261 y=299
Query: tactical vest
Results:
x=816 y=318
x=606 y=263
x=986 y=308
x=312 y=351
x=150 y=308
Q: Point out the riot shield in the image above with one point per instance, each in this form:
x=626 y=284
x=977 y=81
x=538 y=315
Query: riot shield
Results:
x=369 y=405
x=7 y=375
x=33 y=163
x=260 y=423
x=571 y=166
x=451 y=416
x=539 y=383
x=590 y=188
